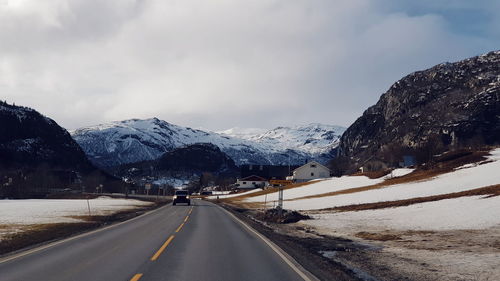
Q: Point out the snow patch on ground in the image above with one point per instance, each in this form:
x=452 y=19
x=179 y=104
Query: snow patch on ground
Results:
x=399 y=173
x=235 y=194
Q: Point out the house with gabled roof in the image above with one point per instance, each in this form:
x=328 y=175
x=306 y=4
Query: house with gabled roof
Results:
x=310 y=171
x=252 y=181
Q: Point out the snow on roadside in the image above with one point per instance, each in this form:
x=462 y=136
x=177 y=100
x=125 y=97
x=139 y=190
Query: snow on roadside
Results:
x=456 y=181
x=40 y=211
x=461 y=213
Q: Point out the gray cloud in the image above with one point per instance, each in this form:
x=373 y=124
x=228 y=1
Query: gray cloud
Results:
x=224 y=63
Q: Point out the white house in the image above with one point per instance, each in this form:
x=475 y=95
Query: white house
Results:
x=310 y=171
x=251 y=182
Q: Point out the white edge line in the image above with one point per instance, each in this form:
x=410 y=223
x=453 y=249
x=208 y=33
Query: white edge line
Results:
x=283 y=255
x=50 y=245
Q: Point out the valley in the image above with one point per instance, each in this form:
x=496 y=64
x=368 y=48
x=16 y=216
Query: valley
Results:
x=409 y=191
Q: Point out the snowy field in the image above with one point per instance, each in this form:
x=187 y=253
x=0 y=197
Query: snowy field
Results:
x=41 y=211
x=476 y=212
x=466 y=178
x=319 y=187
x=329 y=185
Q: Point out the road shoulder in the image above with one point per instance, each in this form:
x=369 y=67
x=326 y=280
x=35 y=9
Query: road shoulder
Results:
x=302 y=250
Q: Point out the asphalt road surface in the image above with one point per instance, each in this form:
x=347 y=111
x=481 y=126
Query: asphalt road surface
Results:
x=198 y=242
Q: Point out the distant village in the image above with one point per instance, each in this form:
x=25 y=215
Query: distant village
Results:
x=250 y=177
x=256 y=176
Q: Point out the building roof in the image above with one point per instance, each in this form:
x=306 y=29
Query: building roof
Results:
x=312 y=162
x=253 y=178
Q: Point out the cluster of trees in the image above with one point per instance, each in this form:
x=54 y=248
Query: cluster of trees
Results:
x=34 y=183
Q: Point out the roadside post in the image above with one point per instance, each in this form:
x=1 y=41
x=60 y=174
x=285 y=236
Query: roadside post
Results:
x=147 y=186
x=280 y=184
x=265 y=202
x=88 y=204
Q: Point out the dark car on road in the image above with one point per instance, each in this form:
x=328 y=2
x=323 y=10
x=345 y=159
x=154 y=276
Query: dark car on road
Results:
x=181 y=196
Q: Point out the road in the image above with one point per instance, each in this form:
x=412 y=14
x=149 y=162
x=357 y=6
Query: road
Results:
x=198 y=242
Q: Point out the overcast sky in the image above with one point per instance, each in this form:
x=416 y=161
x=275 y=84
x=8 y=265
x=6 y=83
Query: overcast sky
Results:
x=225 y=63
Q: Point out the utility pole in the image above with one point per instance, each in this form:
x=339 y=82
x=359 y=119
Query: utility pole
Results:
x=280 y=201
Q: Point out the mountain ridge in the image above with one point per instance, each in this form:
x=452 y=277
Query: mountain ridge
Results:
x=121 y=142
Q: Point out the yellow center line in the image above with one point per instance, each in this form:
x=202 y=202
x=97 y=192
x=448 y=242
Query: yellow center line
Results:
x=186 y=219
x=179 y=228
x=136 y=277
x=158 y=253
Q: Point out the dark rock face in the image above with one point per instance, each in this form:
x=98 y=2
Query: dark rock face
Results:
x=29 y=139
x=38 y=157
x=451 y=105
x=197 y=158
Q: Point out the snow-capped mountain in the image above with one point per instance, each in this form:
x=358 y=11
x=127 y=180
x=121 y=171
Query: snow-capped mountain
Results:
x=314 y=138
x=136 y=140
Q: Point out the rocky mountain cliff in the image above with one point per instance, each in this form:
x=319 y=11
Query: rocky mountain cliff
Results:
x=135 y=140
x=450 y=105
x=29 y=139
